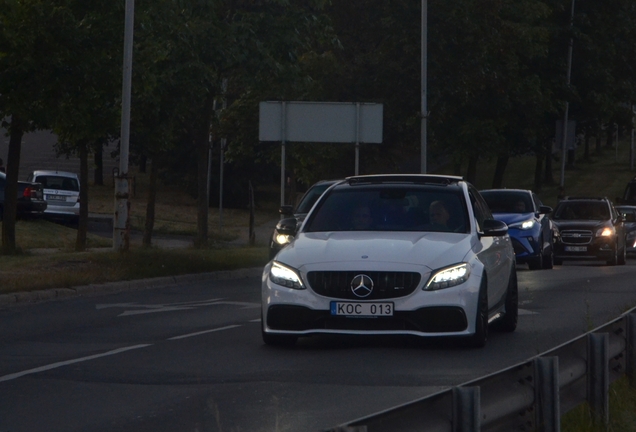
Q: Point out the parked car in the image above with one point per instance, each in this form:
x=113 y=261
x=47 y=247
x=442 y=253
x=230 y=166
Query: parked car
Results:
x=629 y=214
x=377 y=256
x=30 y=198
x=529 y=226
x=61 y=192
x=588 y=228
x=280 y=239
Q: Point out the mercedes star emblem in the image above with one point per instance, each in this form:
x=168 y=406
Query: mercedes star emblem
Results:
x=361 y=286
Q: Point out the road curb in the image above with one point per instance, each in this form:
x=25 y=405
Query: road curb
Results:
x=37 y=296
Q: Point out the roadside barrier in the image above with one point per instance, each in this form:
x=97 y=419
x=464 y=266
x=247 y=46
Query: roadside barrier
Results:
x=529 y=396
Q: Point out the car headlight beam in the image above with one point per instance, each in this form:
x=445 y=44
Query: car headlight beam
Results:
x=605 y=232
x=285 y=276
x=283 y=239
x=525 y=225
x=448 y=277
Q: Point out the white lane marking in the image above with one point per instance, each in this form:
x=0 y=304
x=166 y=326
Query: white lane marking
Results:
x=527 y=312
x=68 y=362
x=148 y=311
x=256 y=320
x=204 y=332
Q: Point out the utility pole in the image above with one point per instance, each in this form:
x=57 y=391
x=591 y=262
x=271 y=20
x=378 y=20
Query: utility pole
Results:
x=567 y=102
x=121 y=234
x=424 y=109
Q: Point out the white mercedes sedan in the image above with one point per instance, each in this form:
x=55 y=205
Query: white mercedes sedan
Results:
x=393 y=255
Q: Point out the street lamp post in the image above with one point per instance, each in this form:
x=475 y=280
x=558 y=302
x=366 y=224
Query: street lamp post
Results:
x=567 y=103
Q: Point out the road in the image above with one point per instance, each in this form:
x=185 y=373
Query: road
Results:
x=190 y=357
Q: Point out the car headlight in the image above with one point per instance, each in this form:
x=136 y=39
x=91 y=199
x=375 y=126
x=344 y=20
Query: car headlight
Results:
x=525 y=225
x=285 y=276
x=605 y=232
x=448 y=277
x=283 y=239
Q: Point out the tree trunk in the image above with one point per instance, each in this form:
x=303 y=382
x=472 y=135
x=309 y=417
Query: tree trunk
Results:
x=203 y=200
x=16 y=131
x=609 y=136
x=500 y=169
x=99 y=164
x=143 y=159
x=471 y=172
x=82 y=226
x=599 y=144
x=150 y=207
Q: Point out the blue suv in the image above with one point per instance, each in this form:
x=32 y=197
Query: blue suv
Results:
x=531 y=231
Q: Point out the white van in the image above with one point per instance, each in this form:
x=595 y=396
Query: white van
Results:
x=61 y=193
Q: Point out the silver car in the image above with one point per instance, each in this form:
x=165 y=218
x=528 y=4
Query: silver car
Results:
x=61 y=193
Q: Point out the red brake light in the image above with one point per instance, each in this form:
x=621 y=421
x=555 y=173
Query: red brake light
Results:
x=27 y=192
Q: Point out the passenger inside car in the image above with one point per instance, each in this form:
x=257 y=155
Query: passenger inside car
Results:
x=361 y=218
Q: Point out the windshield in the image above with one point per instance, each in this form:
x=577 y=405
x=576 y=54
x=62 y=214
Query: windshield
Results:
x=581 y=211
x=508 y=201
x=310 y=197
x=384 y=208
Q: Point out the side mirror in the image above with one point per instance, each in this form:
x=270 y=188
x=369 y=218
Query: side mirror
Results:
x=286 y=210
x=545 y=209
x=494 y=228
x=287 y=226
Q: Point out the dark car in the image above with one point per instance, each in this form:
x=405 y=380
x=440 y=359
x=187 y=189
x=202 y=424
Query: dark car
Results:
x=588 y=228
x=279 y=238
x=529 y=227
x=629 y=195
x=629 y=214
x=30 y=198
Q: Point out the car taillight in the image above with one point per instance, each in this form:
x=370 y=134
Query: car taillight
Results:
x=28 y=192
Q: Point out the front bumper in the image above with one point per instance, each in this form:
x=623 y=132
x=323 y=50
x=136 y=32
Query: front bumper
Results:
x=599 y=248
x=445 y=312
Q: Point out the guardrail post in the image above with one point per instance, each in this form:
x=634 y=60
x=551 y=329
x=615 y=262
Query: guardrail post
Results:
x=548 y=417
x=466 y=412
x=630 y=349
x=598 y=377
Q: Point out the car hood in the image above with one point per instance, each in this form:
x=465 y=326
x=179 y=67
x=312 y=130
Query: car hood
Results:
x=512 y=218
x=375 y=250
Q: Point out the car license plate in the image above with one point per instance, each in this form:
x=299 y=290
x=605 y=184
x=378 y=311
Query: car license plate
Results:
x=56 y=198
x=362 y=309
x=576 y=248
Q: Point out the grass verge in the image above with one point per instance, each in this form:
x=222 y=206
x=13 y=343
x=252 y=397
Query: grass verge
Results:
x=28 y=271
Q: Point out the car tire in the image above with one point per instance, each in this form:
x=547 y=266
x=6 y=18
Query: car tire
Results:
x=614 y=260
x=548 y=259
x=622 y=256
x=536 y=263
x=508 y=323
x=479 y=338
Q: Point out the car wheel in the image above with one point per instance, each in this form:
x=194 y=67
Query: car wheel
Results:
x=622 y=256
x=276 y=339
x=479 y=338
x=508 y=323
x=548 y=259
x=536 y=263
x=614 y=260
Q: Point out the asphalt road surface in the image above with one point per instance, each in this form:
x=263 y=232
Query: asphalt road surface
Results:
x=190 y=357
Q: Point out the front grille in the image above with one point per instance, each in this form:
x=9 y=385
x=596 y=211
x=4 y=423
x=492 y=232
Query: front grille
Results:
x=386 y=285
x=576 y=237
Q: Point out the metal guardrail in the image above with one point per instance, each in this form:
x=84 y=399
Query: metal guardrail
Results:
x=528 y=396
